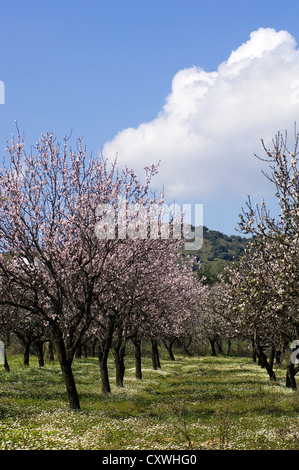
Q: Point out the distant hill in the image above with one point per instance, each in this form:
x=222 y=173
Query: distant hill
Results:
x=218 y=250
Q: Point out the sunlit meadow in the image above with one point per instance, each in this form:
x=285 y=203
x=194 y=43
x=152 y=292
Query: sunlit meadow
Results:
x=191 y=403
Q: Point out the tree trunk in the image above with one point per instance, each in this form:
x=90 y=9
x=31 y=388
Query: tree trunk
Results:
x=119 y=352
x=155 y=355
x=254 y=352
x=26 y=352
x=229 y=345
x=6 y=365
x=103 y=352
x=103 y=362
x=50 y=351
x=169 y=346
x=278 y=357
x=78 y=353
x=212 y=343
x=85 y=350
x=69 y=381
x=219 y=345
x=93 y=347
x=66 y=368
x=290 y=377
x=266 y=364
x=119 y=369
x=292 y=370
x=186 y=346
x=137 y=344
x=39 y=345
x=272 y=357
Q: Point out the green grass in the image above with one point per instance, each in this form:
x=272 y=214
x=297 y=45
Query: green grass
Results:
x=192 y=403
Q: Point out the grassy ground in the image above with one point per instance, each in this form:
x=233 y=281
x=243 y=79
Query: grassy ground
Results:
x=192 y=403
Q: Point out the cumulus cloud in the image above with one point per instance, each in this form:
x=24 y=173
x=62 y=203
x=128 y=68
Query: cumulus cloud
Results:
x=212 y=122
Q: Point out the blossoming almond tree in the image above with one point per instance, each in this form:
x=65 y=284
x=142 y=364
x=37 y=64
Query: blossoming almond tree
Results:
x=265 y=285
x=52 y=263
x=254 y=306
x=281 y=234
x=176 y=300
x=213 y=325
x=152 y=297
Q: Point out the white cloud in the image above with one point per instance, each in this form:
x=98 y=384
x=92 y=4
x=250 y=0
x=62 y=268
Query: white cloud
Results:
x=212 y=122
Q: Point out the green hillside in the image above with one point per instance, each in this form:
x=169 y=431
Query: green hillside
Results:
x=217 y=251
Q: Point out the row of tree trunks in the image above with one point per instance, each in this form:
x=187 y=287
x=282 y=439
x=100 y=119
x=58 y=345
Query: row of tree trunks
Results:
x=268 y=364
x=103 y=351
x=38 y=349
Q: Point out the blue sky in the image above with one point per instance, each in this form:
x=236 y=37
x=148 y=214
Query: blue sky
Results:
x=101 y=67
